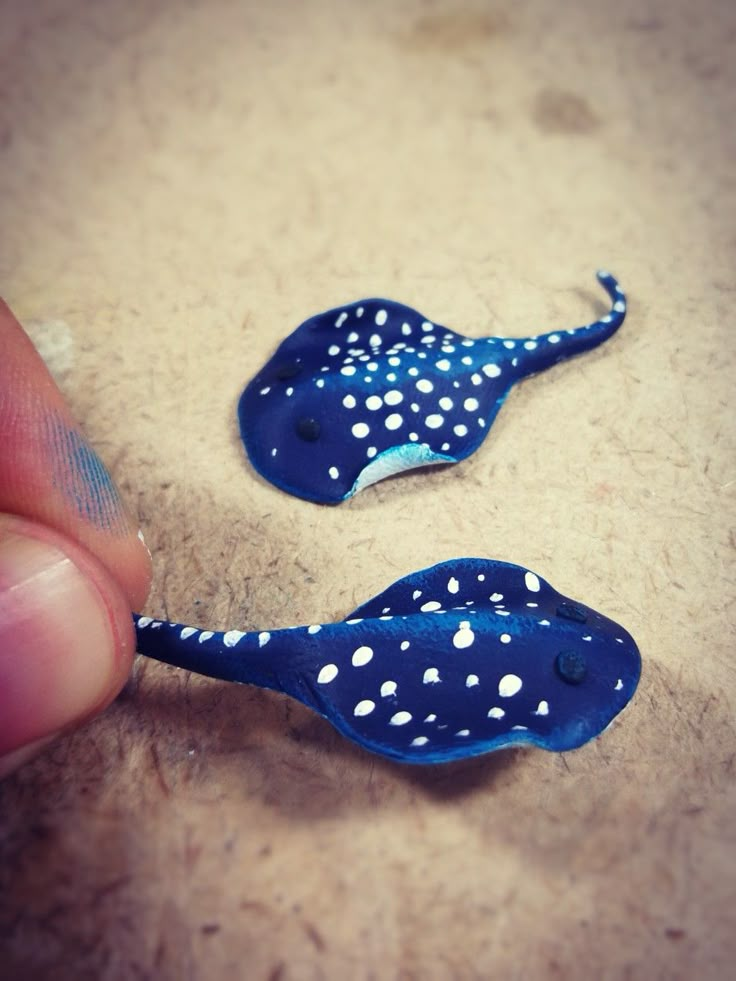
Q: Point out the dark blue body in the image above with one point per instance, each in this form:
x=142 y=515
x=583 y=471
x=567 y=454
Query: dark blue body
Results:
x=373 y=388
x=463 y=658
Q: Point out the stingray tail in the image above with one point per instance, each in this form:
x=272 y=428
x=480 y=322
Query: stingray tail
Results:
x=537 y=353
x=248 y=657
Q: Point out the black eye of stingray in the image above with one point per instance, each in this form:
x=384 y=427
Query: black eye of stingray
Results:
x=289 y=369
x=308 y=429
x=569 y=611
x=571 y=667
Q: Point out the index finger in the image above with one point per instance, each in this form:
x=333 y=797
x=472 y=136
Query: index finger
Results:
x=50 y=473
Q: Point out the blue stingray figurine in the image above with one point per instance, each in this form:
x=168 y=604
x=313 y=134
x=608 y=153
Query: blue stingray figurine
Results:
x=373 y=388
x=460 y=659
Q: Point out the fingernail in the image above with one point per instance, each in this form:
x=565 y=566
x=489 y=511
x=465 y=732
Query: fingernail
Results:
x=57 y=651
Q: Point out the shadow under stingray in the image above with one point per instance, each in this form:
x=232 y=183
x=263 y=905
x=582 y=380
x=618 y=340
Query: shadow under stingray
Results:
x=285 y=751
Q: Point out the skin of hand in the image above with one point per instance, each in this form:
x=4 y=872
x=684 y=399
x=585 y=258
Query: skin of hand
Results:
x=72 y=562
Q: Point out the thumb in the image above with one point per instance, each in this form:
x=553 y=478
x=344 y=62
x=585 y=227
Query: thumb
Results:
x=66 y=637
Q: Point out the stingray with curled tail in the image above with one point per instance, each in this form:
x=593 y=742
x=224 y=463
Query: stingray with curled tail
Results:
x=463 y=658
x=373 y=388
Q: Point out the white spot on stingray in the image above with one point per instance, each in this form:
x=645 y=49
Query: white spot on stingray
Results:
x=453 y=585
x=320 y=383
x=359 y=312
x=333 y=349
x=341 y=319
x=420 y=741
x=460 y=429
x=394 y=362
x=446 y=403
x=373 y=402
x=464 y=636
x=505 y=638
x=388 y=688
x=314 y=629
x=520 y=728
x=491 y=370
x=266 y=390
x=413 y=371
x=400 y=719
x=431 y=676
x=405 y=330
x=405 y=645
x=375 y=340
x=434 y=421
x=205 y=635
x=362 y=656
x=263 y=638
x=509 y=685
x=371 y=452
x=530 y=345
x=145 y=621
x=481 y=578
x=496 y=713
x=187 y=632
x=472 y=680
x=554 y=338
x=430 y=606
x=416 y=594
x=426 y=325
x=619 y=685
x=327 y=674
x=393 y=397
x=619 y=306
x=334 y=473
x=445 y=447
x=496 y=597
x=532 y=582
x=544 y=623
x=232 y=637
x=360 y=430
x=443 y=364
x=463 y=732
x=353 y=337
x=393 y=421
x=364 y=708
x=476 y=379
x=509 y=344
x=381 y=318
x=413 y=437
x=347 y=370
x=471 y=405
x=431 y=717
x=542 y=709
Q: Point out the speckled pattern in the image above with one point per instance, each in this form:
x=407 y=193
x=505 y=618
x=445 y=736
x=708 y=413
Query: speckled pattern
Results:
x=373 y=388
x=464 y=658
x=181 y=183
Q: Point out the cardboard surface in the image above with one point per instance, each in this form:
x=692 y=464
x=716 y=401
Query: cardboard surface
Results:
x=181 y=184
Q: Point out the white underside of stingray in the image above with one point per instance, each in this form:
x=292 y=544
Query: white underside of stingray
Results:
x=397 y=459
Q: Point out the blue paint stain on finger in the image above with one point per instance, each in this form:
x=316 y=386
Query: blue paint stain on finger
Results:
x=82 y=478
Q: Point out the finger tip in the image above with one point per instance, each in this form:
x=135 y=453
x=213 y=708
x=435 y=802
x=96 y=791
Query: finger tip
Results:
x=66 y=635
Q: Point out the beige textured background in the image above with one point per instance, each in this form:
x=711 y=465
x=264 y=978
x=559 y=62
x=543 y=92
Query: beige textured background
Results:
x=181 y=183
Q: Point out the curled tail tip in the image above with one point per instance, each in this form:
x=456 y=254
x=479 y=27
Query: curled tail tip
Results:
x=617 y=295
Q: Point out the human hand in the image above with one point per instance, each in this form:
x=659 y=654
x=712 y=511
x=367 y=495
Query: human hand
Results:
x=72 y=565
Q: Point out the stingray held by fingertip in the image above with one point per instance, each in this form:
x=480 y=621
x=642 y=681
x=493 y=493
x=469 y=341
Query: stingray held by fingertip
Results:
x=373 y=388
x=459 y=659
